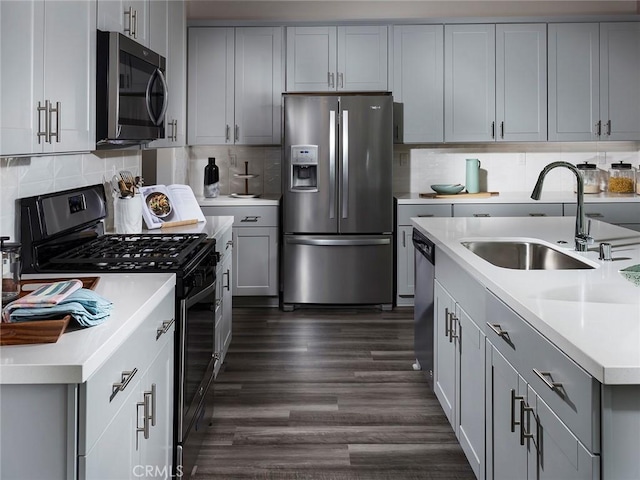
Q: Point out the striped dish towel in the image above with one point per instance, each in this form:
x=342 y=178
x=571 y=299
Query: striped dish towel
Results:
x=44 y=296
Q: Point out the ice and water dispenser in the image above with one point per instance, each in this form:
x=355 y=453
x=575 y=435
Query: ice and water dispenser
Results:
x=304 y=168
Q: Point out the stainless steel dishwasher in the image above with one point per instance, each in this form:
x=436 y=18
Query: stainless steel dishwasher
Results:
x=423 y=303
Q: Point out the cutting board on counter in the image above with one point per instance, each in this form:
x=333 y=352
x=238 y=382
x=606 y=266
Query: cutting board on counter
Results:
x=460 y=195
x=38 y=331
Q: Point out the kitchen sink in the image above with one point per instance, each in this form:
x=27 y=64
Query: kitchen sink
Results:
x=524 y=255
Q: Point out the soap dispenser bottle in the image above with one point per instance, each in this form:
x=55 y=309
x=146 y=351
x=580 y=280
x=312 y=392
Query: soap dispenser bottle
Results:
x=211 y=179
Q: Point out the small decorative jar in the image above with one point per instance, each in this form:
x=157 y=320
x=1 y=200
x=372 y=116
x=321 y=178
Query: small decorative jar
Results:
x=590 y=176
x=622 y=178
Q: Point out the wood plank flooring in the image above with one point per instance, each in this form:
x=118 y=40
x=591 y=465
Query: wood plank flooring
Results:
x=326 y=394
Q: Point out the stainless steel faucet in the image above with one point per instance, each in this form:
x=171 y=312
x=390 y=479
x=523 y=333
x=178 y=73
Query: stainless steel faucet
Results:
x=582 y=237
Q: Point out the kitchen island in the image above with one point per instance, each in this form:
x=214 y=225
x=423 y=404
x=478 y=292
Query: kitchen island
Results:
x=81 y=407
x=556 y=352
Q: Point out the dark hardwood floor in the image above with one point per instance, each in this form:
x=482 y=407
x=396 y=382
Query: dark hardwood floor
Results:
x=326 y=394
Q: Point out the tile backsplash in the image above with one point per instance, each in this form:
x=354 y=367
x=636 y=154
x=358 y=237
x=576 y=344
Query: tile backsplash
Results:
x=504 y=168
x=27 y=176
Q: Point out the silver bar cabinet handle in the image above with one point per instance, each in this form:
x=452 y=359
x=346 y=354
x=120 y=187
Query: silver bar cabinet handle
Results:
x=44 y=109
x=330 y=80
x=153 y=395
x=166 y=325
x=514 y=398
x=332 y=163
x=404 y=239
x=130 y=29
x=598 y=128
x=447 y=317
x=57 y=112
x=609 y=128
x=345 y=164
x=135 y=24
x=501 y=129
x=250 y=218
x=549 y=383
x=340 y=80
x=498 y=330
x=228 y=285
x=453 y=332
x=226 y=134
x=524 y=434
x=120 y=386
x=493 y=129
x=237 y=134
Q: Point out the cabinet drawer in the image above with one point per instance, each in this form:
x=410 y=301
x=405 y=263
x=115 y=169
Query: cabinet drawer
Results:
x=99 y=400
x=224 y=245
x=405 y=212
x=608 y=212
x=570 y=391
x=259 y=216
x=507 y=210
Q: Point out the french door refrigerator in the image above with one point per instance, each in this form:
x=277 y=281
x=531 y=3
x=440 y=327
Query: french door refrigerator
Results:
x=337 y=200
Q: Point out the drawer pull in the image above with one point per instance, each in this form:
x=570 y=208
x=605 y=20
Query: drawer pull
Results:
x=534 y=214
x=228 y=284
x=250 y=218
x=426 y=215
x=594 y=215
x=229 y=245
x=447 y=316
x=453 y=330
x=152 y=394
x=514 y=398
x=524 y=434
x=498 y=330
x=166 y=325
x=119 y=387
x=481 y=215
x=557 y=386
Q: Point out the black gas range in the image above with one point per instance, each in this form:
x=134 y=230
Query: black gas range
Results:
x=63 y=232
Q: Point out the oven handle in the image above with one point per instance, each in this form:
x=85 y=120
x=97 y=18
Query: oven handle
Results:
x=192 y=300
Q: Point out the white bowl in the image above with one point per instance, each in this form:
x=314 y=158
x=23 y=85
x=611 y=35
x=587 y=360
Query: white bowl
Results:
x=447 y=188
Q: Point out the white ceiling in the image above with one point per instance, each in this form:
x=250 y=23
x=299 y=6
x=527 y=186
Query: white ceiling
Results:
x=346 y=10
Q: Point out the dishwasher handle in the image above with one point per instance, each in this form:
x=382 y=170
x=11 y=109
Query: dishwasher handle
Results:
x=424 y=246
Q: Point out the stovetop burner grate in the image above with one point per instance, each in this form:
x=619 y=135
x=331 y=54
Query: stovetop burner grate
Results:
x=172 y=249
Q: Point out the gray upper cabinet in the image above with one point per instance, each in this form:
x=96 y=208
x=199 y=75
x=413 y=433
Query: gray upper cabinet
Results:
x=521 y=82
x=620 y=80
x=495 y=83
x=594 y=87
x=129 y=17
x=345 y=58
x=234 y=85
x=418 y=81
x=469 y=83
x=573 y=81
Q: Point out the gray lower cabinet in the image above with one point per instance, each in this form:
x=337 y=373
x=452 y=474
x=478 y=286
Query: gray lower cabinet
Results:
x=507 y=209
x=459 y=356
x=255 y=248
x=224 y=297
x=625 y=214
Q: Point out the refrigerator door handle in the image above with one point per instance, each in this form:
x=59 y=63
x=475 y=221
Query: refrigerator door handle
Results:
x=332 y=164
x=345 y=163
x=335 y=242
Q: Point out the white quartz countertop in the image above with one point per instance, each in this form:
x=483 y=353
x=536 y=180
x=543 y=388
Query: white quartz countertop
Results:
x=228 y=201
x=517 y=197
x=78 y=354
x=591 y=315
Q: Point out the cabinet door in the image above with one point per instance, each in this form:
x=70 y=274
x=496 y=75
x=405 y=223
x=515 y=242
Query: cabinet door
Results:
x=469 y=83
x=521 y=82
x=175 y=45
x=506 y=458
x=445 y=353
x=210 y=86
x=418 y=81
x=311 y=59
x=255 y=261
x=573 y=56
x=258 y=85
x=69 y=74
x=620 y=80
x=156 y=388
x=362 y=58
x=116 y=453
x=129 y=17
x=159 y=27
x=470 y=427
x=406 y=262
x=21 y=76
x=557 y=452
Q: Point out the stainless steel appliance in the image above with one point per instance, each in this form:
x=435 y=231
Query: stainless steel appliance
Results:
x=63 y=232
x=131 y=92
x=423 y=314
x=337 y=199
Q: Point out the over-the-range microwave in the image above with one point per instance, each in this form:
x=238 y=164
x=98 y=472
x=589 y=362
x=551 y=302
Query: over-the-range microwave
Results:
x=131 y=92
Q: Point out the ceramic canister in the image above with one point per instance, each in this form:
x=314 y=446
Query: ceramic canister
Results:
x=473 y=175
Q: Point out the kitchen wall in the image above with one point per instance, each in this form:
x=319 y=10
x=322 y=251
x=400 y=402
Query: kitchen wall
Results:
x=505 y=168
x=28 y=176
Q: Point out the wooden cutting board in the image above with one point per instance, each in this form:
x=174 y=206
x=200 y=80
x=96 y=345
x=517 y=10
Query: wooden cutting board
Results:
x=38 y=331
x=460 y=195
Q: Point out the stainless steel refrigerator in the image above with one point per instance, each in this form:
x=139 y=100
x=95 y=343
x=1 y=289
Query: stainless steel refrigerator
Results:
x=337 y=200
